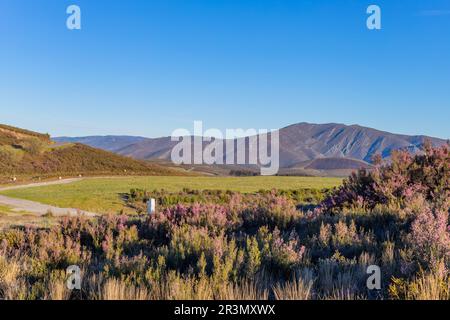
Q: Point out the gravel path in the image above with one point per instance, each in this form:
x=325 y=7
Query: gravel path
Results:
x=20 y=205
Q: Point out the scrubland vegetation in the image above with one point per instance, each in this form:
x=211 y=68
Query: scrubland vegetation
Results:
x=28 y=155
x=267 y=245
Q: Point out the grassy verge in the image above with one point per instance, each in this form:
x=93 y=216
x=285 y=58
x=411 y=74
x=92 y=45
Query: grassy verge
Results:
x=4 y=210
x=10 y=218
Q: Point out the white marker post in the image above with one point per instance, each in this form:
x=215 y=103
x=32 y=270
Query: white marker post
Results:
x=151 y=206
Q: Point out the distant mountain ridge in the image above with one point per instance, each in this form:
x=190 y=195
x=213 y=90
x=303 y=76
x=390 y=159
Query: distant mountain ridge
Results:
x=299 y=144
x=108 y=143
x=305 y=141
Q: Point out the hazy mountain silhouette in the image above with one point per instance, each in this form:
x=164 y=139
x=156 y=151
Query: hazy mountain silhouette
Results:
x=344 y=147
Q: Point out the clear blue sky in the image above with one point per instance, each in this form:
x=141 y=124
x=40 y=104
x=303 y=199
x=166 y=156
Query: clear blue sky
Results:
x=147 y=67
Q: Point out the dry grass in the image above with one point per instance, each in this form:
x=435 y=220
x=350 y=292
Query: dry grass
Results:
x=11 y=219
x=298 y=289
x=9 y=278
x=344 y=294
x=58 y=290
x=114 y=289
x=432 y=285
x=246 y=290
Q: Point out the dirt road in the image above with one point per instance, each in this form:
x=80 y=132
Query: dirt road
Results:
x=20 y=205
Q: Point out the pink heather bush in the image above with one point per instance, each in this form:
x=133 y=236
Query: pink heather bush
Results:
x=418 y=189
x=357 y=190
x=204 y=215
x=272 y=210
x=401 y=179
x=430 y=237
x=282 y=253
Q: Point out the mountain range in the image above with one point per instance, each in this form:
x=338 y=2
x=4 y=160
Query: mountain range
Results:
x=303 y=146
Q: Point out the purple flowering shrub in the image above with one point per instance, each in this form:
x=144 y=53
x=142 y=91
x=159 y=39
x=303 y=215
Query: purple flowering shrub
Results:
x=394 y=183
x=430 y=236
x=415 y=192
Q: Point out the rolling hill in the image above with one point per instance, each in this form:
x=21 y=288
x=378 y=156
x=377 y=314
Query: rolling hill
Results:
x=24 y=152
x=343 y=147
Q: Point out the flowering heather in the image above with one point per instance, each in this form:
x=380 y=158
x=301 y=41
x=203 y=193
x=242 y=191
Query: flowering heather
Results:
x=430 y=236
x=227 y=245
x=400 y=180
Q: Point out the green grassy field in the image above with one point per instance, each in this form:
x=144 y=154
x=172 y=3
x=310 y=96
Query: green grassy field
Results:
x=103 y=195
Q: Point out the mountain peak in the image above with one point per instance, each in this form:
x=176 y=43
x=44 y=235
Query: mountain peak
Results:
x=299 y=143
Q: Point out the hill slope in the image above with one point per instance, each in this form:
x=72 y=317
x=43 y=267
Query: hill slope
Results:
x=25 y=152
x=299 y=143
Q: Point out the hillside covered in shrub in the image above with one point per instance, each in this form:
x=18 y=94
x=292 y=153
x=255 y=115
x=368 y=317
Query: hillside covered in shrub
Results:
x=23 y=152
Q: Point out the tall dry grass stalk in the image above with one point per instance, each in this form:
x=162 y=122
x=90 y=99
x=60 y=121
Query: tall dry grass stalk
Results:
x=115 y=289
x=175 y=287
x=58 y=290
x=246 y=290
x=9 y=271
x=10 y=284
x=298 y=289
x=343 y=294
x=432 y=285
